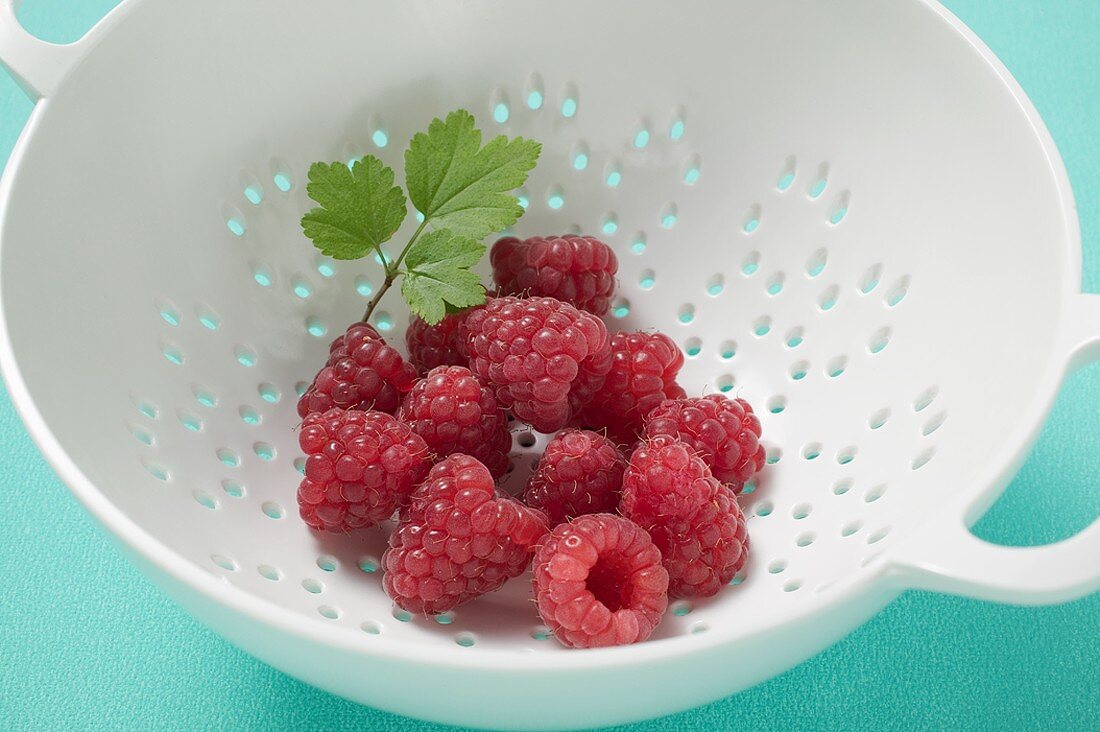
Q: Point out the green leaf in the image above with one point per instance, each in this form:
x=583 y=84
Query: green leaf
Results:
x=438 y=277
x=460 y=185
x=360 y=207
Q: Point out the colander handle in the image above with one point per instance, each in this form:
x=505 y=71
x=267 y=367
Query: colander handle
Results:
x=39 y=67
x=960 y=563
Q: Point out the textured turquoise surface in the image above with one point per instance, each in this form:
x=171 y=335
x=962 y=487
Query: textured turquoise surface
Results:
x=86 y=642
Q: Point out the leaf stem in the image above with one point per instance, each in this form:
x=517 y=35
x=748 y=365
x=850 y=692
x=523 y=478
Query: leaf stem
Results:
x=393 y=270
x=386 y=284
x=416 y=235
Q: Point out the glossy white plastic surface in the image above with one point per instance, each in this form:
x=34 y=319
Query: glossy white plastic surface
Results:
x=847 y=213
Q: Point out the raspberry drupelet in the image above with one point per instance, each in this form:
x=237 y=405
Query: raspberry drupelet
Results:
x=599 y=581
x=579 y=270
x=543 y=358
x=580 y=472
x=723 y=431
x=591 y=377
x=693 y=518
x=362 y=372
x=454 y=412
x=459 y=538
x=361 y=467
x=643 y=373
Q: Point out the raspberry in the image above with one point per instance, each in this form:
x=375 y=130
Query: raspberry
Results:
x=580 y=472
x=723 y=431
x=544 y=358
x=458 y=539
x=362 y=372
x=643 y=374
x=579 y=270
x=441 y=344
x=693 y=518
x=598 y=581
x=664 y=477
x=453 y=412
x=707 y=549
x=362 y=466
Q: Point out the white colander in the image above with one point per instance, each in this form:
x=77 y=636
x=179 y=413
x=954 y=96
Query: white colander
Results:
x=846 y=212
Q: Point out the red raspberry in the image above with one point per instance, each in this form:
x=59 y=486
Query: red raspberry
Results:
x=693 y=518
x=723 y=431
x=579 y=270
x=362 y=466
x=643 y=374
x=458 y=539
x=665 y=477
x=436 y=345
x=543 y=357
x=362 y=372
x=599 y=582
x=453 y=412
x=580 y=472
x=707 y=549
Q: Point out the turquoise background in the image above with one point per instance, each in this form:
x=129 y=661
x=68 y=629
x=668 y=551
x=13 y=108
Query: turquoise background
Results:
x=86 y=642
